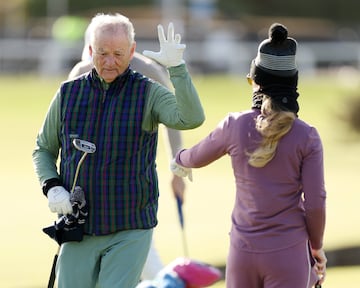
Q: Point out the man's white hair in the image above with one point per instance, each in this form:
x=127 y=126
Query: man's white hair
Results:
x=109 y=20
x=85 y=56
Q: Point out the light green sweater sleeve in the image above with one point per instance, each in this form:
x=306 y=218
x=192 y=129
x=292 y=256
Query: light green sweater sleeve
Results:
x=47 y=146
x=182 y=112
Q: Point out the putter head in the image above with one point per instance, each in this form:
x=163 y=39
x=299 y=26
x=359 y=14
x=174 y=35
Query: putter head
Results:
x=84 y=146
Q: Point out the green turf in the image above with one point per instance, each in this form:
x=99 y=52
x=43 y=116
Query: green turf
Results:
x=26 y=253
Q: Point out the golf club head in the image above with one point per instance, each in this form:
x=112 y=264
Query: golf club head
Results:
x=84 y=146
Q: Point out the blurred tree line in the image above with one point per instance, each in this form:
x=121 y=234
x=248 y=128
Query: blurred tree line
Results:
x=38 y=8
x=340 y=11
x=335 y=10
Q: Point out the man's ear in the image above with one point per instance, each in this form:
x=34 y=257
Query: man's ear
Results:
x=90 y=50
x=132 y=50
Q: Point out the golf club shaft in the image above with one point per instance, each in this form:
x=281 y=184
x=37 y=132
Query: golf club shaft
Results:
x=185 y=247
x=77 y=171
x=182 y=224
x=52 y=273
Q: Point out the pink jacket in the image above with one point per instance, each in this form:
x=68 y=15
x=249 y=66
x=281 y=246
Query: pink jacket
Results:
x=279 y=205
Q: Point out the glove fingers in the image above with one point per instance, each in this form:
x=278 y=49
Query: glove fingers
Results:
x=161 y=34
x=170 y=37
x=67 y=208
x=190 y=177
x=171 y=51
x=177 y=38
x=64 y=209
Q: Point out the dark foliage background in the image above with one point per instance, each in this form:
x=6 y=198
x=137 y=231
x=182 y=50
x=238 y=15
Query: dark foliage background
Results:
x=335 y=10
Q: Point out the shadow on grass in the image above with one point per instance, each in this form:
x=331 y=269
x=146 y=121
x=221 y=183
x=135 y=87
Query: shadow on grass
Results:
x=349 y=256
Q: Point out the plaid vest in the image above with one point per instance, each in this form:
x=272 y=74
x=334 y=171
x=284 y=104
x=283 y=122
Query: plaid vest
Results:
x=119 y=180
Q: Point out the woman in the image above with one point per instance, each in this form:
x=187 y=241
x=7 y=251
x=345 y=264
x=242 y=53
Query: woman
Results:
x=278 y=220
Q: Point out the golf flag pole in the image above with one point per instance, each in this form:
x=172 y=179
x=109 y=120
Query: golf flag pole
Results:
x=181 y=220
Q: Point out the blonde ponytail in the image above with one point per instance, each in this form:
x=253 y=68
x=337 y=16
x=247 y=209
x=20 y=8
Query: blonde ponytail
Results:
x=272 y=124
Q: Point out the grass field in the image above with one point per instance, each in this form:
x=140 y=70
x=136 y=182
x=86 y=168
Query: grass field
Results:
x=26 y=253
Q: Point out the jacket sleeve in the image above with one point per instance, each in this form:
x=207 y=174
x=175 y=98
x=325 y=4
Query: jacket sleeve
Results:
x=153 y=70
x=47 y=145
x=314 y=190
x=208 y=150
x=184 y=111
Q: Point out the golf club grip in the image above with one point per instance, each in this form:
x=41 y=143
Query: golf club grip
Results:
x=180 y=212
x=52 y=273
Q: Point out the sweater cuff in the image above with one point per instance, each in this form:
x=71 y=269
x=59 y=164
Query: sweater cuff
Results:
x=49 y=184
x=179 y=70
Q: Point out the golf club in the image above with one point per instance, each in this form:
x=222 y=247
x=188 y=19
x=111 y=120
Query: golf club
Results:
x=194 y=273
x=87 y=148
x=182 y=224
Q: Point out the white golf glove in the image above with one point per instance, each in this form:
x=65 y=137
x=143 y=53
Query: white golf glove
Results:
x=59 y=200
x=180 y=171
x=171 y=51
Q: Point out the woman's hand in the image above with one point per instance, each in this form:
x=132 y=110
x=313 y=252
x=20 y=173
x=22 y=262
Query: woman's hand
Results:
x=320 y=265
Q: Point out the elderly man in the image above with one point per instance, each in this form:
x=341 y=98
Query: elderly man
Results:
x=173 y=139
x=119 y=110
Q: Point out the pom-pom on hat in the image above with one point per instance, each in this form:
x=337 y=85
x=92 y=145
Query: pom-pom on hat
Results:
x=276 y=55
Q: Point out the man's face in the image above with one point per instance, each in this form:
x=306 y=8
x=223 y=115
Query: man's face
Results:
x=111 y=53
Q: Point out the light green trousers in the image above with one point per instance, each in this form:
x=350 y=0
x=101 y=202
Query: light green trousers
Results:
x=110 y=261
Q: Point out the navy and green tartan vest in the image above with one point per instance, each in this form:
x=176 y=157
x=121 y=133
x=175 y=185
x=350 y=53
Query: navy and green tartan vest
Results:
x=119 y=180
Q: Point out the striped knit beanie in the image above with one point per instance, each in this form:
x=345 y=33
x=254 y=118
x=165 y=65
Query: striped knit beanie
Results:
x=274 y=69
